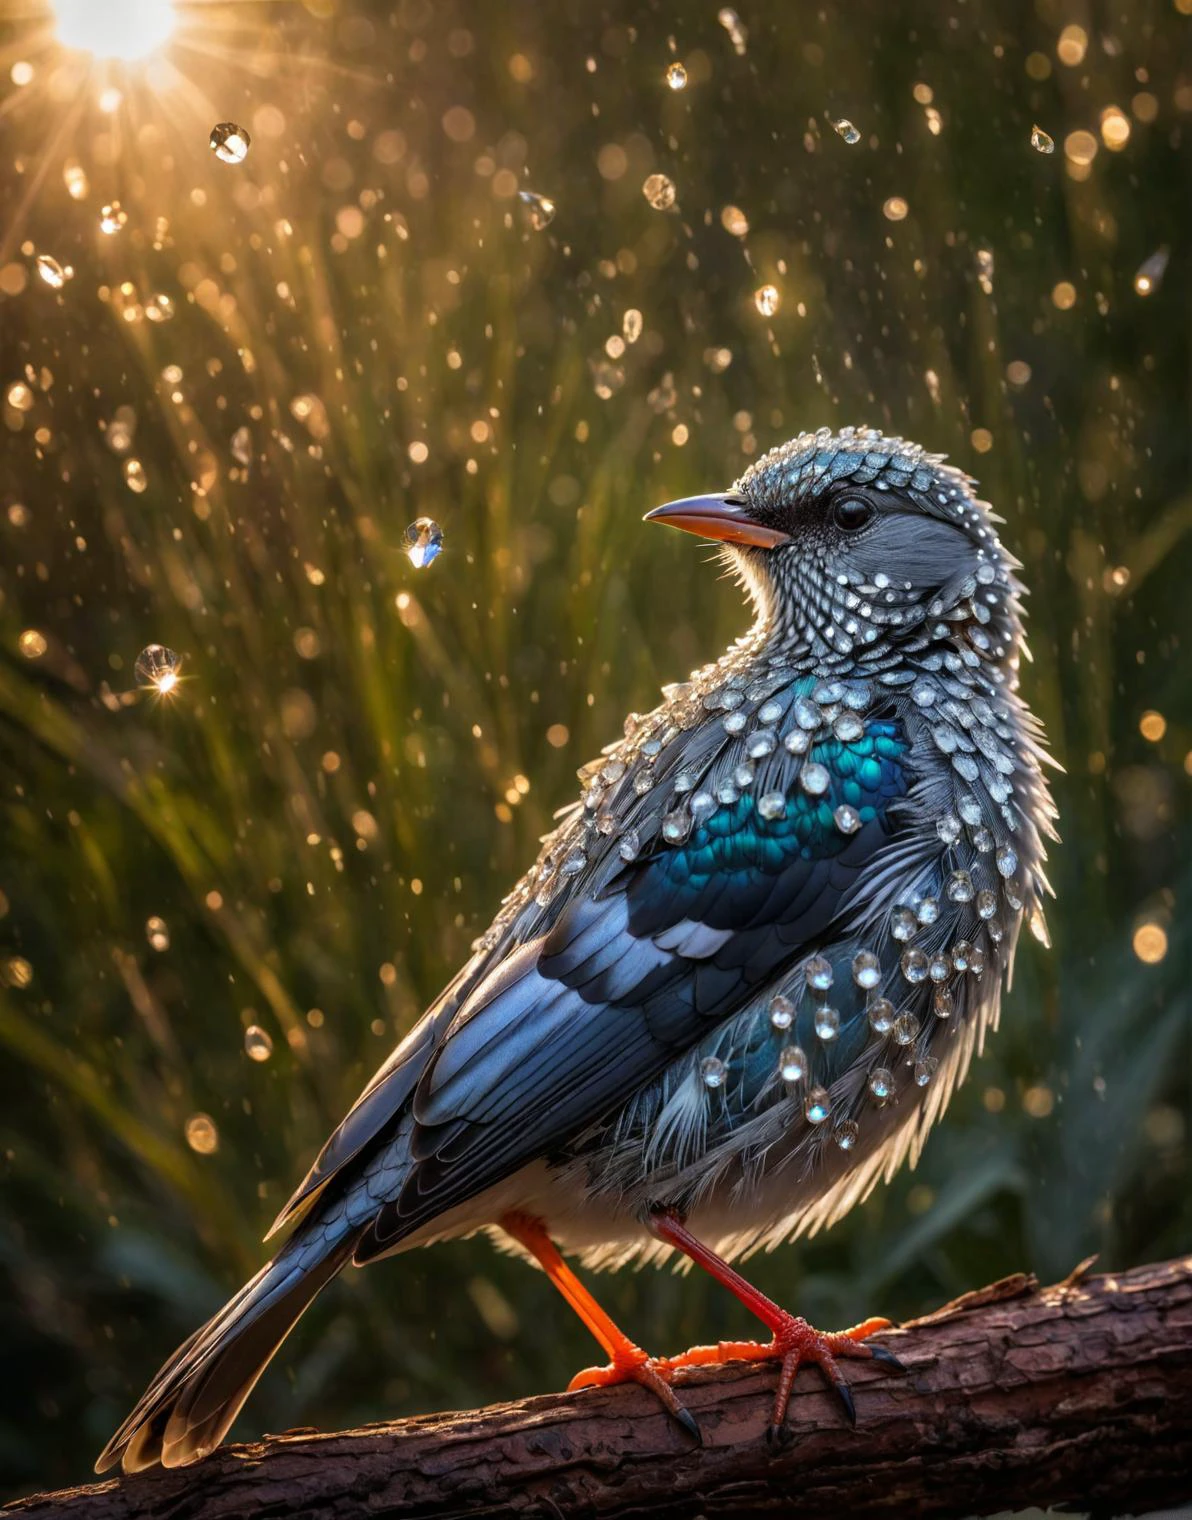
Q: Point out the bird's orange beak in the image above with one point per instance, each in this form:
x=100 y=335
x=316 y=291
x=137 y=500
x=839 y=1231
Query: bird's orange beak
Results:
x=724 y=518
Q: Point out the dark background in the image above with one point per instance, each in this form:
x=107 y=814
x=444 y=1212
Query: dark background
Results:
x=330 y=806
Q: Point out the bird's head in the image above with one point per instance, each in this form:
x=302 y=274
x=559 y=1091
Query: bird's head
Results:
x=851 y=543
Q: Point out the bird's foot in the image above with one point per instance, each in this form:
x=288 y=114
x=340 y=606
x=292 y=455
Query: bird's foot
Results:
x=630 y=1364
x=794 y=1342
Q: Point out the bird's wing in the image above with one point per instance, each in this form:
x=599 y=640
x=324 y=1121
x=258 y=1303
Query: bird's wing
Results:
x=382 y=1100
x=625 y=979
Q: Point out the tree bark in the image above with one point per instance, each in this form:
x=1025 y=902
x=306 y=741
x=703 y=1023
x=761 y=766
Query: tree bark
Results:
x=1079 y=1394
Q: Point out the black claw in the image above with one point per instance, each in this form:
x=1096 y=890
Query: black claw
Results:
x=690 y=1424
x=887 y=1358
x=845 y=1395
x=779 y=1437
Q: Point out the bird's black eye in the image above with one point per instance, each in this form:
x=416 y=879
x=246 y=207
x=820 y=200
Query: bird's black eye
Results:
x=851 y=513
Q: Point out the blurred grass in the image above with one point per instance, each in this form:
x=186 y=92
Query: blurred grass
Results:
x=332 y=805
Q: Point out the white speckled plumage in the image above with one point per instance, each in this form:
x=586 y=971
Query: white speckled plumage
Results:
x=612 y=1045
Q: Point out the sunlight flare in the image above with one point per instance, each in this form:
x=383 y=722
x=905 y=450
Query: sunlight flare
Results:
x=131 y=30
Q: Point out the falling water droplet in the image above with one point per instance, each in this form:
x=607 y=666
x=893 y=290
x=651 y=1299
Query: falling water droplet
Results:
x=157 y=932
x=539 y=209
x=424 y=542
x=202 y=1135
x=985 y=270
x=659 y=191
x=844 y=128
x=51 y=271
x=258 y=1045
x=242 y=446
x=158 y=667
x=1041 y=141
x=734 y=220
x=731 y=22
x=134 y=476
x=767 y=300
x=676 y=77
x=112 y=218
x=1151 y=272
x=632 y=325
x=74 y=177
x=229 y=143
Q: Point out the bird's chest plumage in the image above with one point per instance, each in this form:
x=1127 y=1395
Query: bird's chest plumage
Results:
x=859 y=1008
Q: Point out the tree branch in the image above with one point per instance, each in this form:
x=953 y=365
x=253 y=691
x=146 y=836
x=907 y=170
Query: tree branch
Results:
x=1080 y=1394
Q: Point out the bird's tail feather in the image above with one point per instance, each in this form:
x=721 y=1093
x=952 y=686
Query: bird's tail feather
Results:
x=191 y=1403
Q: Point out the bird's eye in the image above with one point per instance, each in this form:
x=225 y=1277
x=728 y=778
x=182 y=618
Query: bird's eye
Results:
x=851 y=513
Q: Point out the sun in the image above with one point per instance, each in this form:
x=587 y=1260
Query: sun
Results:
x=125 y=29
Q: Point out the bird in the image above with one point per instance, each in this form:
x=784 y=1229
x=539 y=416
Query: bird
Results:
x=746 y=971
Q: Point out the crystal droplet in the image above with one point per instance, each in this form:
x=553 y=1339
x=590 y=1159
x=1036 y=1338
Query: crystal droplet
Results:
x=903 y=924
x=659 y=191
x=847 y=819
x=676 y=77
x=158 y=667
x=782 y=1012
x=881 y=1015
x=867 y=970
x=424 y=542
x=229 y=143
x=792 y=1064
x=814 y=779
x=847 y=1133
x=959 y=888
x=676 y=827
x=844 y=128
x=925 y=1070
x=539 y=209
x=767 y=299
x=818 y=973
x=772 y=805
x=818 y=1105
x=881 y=1083
x=51 y=271
x=1041 y=141
x=944 y=1003
x=629 y=845
x=712 y=1071
x=827 y=1022
x=914 y=966
x=201 y=1134
x=906 y=1028
x=258 y=1045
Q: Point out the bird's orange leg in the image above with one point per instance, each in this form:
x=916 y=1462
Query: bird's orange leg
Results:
x=628 y=1363
x=794 y=1340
